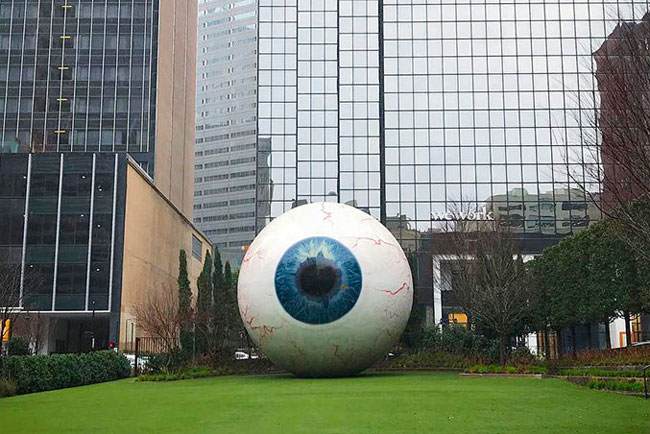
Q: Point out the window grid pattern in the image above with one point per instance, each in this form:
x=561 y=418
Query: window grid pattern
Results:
x=79 y=78
x=318 y=114
x=226 y=117
x=277 y=107
x=68 y=211
x=484 y=107
x=360 y=109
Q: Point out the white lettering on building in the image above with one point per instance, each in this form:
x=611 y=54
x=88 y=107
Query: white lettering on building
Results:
x=481 y=214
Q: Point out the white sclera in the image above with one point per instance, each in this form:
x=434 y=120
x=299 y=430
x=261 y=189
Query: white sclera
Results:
x=355 y=341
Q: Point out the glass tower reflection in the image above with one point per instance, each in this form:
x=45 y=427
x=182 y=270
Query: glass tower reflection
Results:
x=413 y=110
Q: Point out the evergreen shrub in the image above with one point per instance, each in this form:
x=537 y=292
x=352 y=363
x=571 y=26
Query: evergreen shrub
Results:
x=40 y=373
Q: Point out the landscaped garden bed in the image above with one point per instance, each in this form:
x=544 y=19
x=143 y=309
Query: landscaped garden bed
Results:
x=191 y=373
x=504 y=371
x=618 y=386
x=29 y=374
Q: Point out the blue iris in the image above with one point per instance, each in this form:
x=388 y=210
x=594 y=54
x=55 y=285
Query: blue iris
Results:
x=318 y=280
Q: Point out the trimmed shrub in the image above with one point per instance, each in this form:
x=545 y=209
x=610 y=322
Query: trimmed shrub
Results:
x=198 y=372
x=621 y=386
x=599 y=373
x=495 y=369
x=461 y=341
x=18 y=347
x=533 y=369
x=498 y=369
x=428 y=359
x=7 y=387
x=40 y=373
x=154 y=364
x=477 y=369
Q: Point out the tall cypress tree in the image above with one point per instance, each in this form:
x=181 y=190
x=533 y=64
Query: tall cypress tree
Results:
x=184 y=291
x=230 y=311
x=219 y=325
x=204 y=306
x=204 y=284
x=227 y=276
x=217 y=276
x=184 y=303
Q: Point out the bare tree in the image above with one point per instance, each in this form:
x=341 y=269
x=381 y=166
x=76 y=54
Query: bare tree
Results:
x=10 y=293
x=489 y=279
x=13 y=298
x=157 y=314
x=615 y=136
x=37 y=331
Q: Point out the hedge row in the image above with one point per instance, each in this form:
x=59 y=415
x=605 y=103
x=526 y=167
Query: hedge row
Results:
x=199 y=372
x=621 y=386
x=40 y=373
x=592 y=372
x=498 y=369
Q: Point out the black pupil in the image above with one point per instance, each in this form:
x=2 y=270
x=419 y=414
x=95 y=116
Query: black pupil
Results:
x=316 y=277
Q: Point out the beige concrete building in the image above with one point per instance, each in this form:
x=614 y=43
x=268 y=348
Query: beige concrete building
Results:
x=175 y=103
x=99 y=145
x=154 y=232
x=107 y=242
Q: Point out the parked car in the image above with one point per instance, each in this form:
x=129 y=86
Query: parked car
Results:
x=142 y=360
x=241 y=355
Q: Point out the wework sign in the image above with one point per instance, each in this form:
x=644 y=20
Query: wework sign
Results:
x=480 y=215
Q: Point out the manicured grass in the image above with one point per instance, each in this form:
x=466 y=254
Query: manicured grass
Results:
x=416 y=402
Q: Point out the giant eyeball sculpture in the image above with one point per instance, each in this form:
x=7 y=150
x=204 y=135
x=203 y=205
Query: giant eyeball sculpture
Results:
x=325 y=290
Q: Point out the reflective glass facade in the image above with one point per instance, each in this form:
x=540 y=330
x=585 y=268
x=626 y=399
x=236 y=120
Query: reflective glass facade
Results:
x=59 y=224
x=424 y=108
x=83 y=83
x=423 y=113
x=78 y=76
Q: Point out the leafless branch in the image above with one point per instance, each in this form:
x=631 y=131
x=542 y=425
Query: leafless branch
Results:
x=615 y=137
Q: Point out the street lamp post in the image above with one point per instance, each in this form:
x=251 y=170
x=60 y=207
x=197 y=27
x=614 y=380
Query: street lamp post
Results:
x=92 y=341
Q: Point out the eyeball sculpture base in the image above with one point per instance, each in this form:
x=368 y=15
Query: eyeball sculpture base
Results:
x=325 y=290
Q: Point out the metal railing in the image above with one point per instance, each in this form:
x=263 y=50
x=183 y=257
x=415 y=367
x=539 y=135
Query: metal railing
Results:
x=147 y=346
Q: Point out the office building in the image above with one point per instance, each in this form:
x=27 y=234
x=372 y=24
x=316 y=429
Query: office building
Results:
x=226 y=124
x=102 y=76
x=415 y=110
x=88 y=226
x=96 y=159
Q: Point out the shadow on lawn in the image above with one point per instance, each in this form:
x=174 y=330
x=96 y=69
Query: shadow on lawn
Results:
x=285 y=376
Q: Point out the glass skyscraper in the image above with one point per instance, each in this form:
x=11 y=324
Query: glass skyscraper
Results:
x=101 y=76
x=84 y=86
x=226 y=124
x=420 y=111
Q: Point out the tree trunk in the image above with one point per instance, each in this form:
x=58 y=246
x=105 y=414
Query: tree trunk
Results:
x=560 y=342
x=574 y=350
x=547 y=345
x=502 y=349
x=608 y=335
x=628 y=329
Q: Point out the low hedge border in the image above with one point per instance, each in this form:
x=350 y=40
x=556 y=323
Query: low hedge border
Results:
x=40 y=373
x=185 y=375
x=600 y=373
x=617 y=386
x=510 y=370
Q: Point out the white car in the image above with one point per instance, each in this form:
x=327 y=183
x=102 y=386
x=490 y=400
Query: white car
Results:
x=142 y=360
x=240 y=355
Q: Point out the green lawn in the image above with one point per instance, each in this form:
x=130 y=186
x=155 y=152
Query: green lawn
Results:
x=375 y=403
